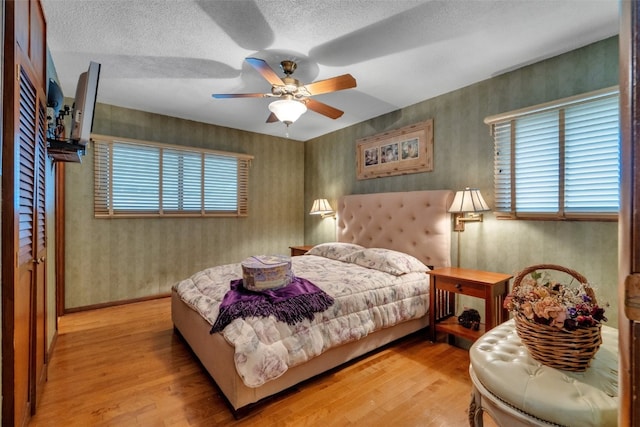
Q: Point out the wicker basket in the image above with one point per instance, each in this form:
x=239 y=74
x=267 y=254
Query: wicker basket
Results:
x=554 y=347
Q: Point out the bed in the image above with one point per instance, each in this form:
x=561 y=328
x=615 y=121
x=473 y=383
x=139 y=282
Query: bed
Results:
x=381 y=227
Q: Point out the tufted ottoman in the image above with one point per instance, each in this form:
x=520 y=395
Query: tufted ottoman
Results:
x=516 y=390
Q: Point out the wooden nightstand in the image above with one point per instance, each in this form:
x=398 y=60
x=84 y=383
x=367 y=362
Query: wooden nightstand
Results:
x=299 y=250
x=446 y=282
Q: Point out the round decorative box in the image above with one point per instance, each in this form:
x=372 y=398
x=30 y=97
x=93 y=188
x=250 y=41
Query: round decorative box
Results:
x=263 y=272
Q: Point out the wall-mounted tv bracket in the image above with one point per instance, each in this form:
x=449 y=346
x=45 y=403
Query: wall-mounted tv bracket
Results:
x=59 y=147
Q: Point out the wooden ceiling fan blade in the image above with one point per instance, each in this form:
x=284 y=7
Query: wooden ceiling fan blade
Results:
x=324 y=109
x=237 y=95
x=345 y=81
x=265 y=70
x=272 y=118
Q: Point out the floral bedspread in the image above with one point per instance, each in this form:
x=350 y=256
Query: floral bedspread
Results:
x=366 y=300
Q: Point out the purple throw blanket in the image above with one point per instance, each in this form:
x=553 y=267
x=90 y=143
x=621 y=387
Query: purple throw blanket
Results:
x=298 y=300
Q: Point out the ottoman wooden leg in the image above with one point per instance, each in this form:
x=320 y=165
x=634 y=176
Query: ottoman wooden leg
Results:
x=475 y=409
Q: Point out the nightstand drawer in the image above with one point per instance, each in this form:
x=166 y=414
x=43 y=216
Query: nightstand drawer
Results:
x=461 y=287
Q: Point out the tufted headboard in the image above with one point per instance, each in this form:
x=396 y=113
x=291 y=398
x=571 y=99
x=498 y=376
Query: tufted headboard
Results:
x=414 y=222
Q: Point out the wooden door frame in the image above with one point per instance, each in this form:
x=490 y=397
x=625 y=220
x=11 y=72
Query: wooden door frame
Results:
x=60 y=240
x=8 y=214
x=629 y=219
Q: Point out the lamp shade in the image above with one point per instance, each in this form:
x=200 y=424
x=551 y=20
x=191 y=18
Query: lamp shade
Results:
x=468 y=200
x=287 y=110
x=321 y=207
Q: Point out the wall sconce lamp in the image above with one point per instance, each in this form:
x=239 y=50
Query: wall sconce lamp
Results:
x=323 y=208
x=468 y=201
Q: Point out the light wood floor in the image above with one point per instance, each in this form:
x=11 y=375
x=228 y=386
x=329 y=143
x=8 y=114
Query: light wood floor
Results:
x=125 y=366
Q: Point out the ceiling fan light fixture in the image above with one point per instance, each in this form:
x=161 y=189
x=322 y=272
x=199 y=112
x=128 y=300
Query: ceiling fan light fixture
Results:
x=287 y=110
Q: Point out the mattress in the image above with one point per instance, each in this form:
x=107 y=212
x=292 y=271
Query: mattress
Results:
x=372 y=289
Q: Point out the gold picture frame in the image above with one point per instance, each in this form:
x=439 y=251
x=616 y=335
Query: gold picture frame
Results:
x=398 y=152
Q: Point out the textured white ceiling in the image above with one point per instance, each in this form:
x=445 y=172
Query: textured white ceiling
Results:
x=169 y=56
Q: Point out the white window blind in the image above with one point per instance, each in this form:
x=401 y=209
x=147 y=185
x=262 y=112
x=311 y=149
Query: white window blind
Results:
x=592 y=156
x=221 y=183
x=560 y=159
x=537 y=159
x=137 y=178
x=134 y=174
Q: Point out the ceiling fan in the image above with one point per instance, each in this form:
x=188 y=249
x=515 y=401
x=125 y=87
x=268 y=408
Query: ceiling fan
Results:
x=294 y=98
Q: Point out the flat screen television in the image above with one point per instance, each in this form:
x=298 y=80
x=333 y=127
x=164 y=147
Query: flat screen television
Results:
x=84 y=105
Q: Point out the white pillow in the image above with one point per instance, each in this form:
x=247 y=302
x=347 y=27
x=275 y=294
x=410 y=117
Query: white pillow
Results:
x=334 y=250
x=387 y=260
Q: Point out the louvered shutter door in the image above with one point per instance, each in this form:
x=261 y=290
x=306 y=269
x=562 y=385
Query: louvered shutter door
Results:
x=27 y=166
x=41 y=208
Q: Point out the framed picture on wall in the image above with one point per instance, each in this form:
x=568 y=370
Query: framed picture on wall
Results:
x=398 y=152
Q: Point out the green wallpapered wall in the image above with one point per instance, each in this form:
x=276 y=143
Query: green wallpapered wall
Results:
x=463 y=156
x=120 y=259
x=111 y=260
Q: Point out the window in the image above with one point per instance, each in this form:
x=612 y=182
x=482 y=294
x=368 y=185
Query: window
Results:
x=559 y=160
x=134 y=178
